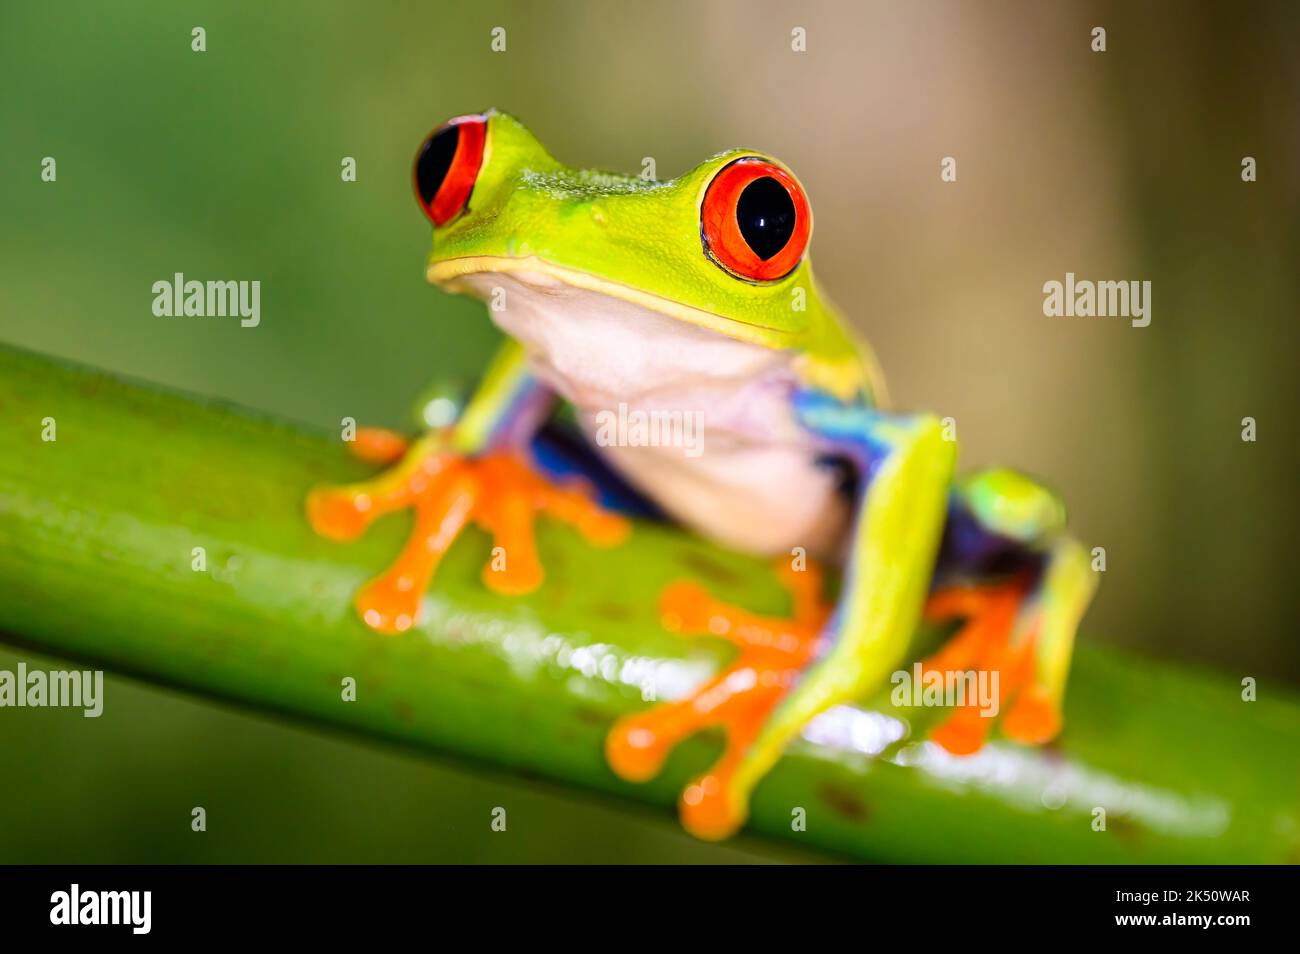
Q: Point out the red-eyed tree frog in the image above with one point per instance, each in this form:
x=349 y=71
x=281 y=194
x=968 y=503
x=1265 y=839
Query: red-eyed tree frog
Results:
x=695 y=297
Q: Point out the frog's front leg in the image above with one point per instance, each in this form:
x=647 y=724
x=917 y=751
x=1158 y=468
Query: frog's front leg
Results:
x=765 y=699
x=476 y=471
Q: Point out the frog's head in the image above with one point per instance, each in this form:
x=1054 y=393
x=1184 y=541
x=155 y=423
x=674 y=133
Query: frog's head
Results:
x=583 y=266
x=723 y=246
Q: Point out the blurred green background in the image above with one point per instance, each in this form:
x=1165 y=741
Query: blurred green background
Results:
x=225 y=164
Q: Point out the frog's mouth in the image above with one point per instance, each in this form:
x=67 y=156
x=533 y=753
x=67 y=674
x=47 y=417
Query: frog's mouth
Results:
x=540 y=273
x=597 y=349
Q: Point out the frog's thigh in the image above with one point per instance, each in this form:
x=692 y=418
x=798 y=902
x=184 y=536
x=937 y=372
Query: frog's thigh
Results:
x=1012 y=505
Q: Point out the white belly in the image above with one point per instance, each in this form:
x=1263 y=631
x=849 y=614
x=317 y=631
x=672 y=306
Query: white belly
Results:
x=698 y=422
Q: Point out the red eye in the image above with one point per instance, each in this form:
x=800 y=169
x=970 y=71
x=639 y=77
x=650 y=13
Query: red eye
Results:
x=446 y=166
x=755 y=220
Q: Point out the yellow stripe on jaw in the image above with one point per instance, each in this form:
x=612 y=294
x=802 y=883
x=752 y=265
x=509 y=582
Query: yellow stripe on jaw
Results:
x=446 y=273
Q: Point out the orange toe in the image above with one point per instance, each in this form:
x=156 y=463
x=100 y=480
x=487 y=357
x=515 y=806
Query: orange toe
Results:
x=634 y=752
x=378 y=445
x=337 y=513
x=390 y=603
x=573 y=502
x=1035 y=719
x=963 y=732
x=710 y=810
x=603 y=528
x=387 y=606
x=521 y=575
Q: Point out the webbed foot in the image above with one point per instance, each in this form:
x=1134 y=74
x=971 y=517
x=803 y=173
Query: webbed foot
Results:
x=739 y=699
x=1000 y=634
x=498 y=490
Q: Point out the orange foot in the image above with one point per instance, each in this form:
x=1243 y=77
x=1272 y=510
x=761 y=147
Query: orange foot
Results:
x=740 y=698
x=995 y=638
x=498 y=491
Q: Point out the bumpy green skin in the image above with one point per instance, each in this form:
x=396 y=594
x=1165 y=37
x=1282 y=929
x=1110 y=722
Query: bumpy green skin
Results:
x=96 y=531
x=640 y=233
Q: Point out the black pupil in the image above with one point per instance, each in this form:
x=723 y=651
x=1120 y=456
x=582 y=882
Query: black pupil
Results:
x=765 y=214
x=434 y=160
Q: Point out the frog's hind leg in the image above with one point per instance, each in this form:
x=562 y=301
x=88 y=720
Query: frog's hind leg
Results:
x=791 y=670
x=1025 y=586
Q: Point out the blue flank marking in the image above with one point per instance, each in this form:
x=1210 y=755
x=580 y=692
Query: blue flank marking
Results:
x=851 y=428
x=560 y=453
x=967 y=547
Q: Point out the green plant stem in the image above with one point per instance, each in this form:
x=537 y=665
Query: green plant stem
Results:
x=98 y=531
